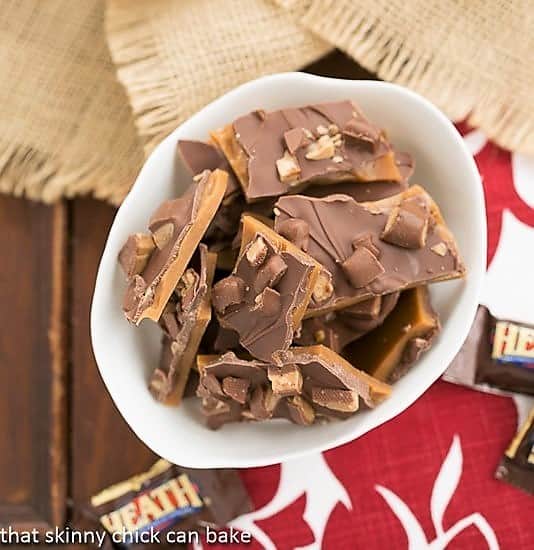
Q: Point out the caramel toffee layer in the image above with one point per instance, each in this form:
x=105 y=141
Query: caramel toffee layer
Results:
x=155 y=262
x=183 y=321
x=392 y=348
x=303 y=385
x=337 y=329
x=269 y=284
x=375 y=248
x=273 y=152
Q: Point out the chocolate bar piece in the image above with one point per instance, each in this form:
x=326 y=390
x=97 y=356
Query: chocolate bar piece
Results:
x=176 y=227
x=517 y=465
x=391 y=349
x=275 y=152
x=375 y=248
x=169 y=497
x=337 y=329
x=497 y=356
x=302 y=385
x=184 y=321
x=199 y=156
x=265 y=297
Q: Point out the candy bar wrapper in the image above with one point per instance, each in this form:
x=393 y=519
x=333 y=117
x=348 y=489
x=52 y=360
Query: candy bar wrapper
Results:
x=169 y=497
x=497 y=357
x=517 y=465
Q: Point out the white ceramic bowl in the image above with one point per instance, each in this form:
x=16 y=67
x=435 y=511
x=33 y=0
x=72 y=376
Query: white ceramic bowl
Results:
x=126 y=355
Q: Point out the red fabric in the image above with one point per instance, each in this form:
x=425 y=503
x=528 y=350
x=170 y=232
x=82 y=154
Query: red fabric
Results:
x=406 y=454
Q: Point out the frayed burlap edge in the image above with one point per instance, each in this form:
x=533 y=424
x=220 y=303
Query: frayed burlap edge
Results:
x=148 y=78
x=27 y=172
x=503 y=119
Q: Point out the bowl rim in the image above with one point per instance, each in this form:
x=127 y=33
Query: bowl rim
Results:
x=476 y=272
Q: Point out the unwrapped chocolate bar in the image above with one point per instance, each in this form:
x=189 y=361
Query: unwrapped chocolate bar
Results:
x=272 y=153
x=517 y=465
x=371 y=249
x=170 y=497
x=154 y=262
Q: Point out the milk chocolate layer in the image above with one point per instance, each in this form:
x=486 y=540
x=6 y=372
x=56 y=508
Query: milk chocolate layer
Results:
x=353 y=242
x=390 y=350
x=199 y=156
x=274 y=152
x=269 y=289
x=177 y=227
x=183 y=321
x=303 y=385
x=337 y=329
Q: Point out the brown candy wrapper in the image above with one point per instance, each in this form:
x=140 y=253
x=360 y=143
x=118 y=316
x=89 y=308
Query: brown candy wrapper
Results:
x=517 y=465
x=169 y=497
x=497 y=357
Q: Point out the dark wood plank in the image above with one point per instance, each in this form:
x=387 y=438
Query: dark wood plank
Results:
x=103 y=448
x=32 y=364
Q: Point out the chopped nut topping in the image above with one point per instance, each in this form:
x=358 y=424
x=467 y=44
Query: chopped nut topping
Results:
x=198 y=177
x=288 y=168
x=322 y=130
x=337 y=159
x=135 y=253
x=307 y=133
x=319 y=336
x=257 y=252
x=323 y=148
x=440 y=249
x=324 y=288
x=163 y=234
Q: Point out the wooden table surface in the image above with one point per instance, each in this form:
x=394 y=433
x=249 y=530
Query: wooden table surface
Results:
x=63 y=438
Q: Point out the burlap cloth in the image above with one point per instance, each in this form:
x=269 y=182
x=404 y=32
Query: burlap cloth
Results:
x=67 y=124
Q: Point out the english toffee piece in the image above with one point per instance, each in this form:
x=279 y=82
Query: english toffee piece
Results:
x=176 y=229
x=265 y=297
x=517 y=465
x=275 y=152
x=184 y=321
x=303 y=385
x=171 y=497
x=319 y=299
x=371 y=249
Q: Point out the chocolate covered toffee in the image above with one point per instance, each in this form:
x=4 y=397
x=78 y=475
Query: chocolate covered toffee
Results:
x=375 y=248
x=278 y=305
x=273 y=152
x=155 y=262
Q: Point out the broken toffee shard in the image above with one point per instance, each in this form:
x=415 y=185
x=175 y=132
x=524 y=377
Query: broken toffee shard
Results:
x=273 y=153
x=408 y=331
x=184 y=321
x=199 y=156
x=375 y=248
x=337 y=329
x=176 y=228
x=265 y=297
x=302 y=385
x=171 y=497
